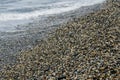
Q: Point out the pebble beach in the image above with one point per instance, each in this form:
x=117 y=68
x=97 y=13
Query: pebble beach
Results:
x=85 y=48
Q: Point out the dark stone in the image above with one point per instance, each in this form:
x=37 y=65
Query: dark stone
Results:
x=47 y=69
x=33 y=78
x=61 y=77
x=113 y=50
x=96 y=78
x=118 y=63
x=16 y=76
x=112 y=71
x=75 y=54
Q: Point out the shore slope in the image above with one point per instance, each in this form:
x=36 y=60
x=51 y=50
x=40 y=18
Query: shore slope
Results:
x=87 y=48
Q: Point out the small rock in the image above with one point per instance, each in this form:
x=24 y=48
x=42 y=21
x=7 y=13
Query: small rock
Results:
x=61 y=77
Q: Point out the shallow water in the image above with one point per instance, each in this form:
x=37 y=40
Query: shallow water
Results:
x=17 y=12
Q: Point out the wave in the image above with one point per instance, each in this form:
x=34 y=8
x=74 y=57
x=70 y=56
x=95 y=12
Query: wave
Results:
x=56 y=8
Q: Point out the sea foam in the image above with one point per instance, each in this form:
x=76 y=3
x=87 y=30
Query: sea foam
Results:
x=57 y=8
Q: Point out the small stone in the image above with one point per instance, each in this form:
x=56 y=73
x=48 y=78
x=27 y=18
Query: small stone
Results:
x=61 y=77
x=112 y=71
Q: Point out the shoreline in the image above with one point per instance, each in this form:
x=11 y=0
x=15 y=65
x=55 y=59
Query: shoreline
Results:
x=86 y=48
x=13 y=43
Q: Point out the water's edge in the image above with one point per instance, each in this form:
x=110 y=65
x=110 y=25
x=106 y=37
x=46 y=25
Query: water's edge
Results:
x=13 y=43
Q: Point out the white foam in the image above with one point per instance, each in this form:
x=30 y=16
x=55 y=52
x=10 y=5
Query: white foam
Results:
x=34 y=14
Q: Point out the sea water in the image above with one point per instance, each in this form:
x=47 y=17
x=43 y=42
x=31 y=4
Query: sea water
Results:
x=16 y=12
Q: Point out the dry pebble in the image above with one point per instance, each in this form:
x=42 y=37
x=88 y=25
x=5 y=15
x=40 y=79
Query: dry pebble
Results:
x=87 y=48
